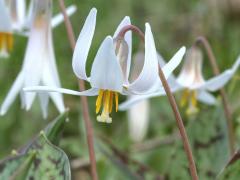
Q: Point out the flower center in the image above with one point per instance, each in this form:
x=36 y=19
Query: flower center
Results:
x=106 y=97
x=6 y=43
x=189 y=96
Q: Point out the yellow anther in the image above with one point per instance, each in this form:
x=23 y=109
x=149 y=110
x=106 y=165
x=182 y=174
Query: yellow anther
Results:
x=190 y=97
x=6 y=41
x=194 y=99
x=185 y=97
x=111 y=102
x=105 y=97
x=106 y=101
x=116 y=101
x=99 y=100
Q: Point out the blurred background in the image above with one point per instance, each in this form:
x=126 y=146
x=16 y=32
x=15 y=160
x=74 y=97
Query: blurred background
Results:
x=174 y=24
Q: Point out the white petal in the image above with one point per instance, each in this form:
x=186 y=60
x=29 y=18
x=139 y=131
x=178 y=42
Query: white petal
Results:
x=138 y=98
x=30 y=13
x=5 y=20
x=36 y=53
x=89 y=92
x=149 y=74
x=173 y=63
x=50 y=78
x=83 y=44
x=15 y=89
x=219 y=81
x=206 y=97
x=106 y=71
x=21 y=9
x=128 y=38
x=44 y=99
x=138 y=122
x=58 y=19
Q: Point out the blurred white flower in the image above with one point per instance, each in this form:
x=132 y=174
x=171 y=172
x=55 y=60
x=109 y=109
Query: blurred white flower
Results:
x=111 y=67
x=21 y=17
x=138 y=120
x=6 y=38
x=138 y=114
x=39 y=66
x=192 y=82
x=17 y=11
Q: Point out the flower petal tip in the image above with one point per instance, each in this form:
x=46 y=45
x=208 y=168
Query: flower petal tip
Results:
x=2 y=112
x=94 y=10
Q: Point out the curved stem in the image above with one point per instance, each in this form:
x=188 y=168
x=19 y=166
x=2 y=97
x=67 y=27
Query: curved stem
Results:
x=84 y=102
x=133 y=28
x=186 y=144
x=202 y=40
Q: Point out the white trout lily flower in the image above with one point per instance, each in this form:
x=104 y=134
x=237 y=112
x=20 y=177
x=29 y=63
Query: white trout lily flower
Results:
x=55 y=21
x=39 y=66
x=138 y=122
x=111 y=67
x=194 y=84
x=21 y=19
x=6 y=37
x=17 y=11
x=191 y=80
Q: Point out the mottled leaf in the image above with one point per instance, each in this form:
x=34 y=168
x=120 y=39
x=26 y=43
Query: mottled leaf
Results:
x=232 y=169
x=42 y=160
x=54 y=130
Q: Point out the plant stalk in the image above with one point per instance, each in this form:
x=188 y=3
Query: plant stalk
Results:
x=84 y=101
x=227 y=110
x=173 y=104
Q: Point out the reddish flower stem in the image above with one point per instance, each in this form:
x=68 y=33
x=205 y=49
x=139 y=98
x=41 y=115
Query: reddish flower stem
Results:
x=202 y=40
x=173 y=104
x=84 y=102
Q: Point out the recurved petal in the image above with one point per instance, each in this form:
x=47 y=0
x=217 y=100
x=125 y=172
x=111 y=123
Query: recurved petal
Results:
x=44 y=99
x=106 y=72
x=206 y=97
x=15 y=89
x=5 y=20
x=219 y=81
x=173 y=63
x=58 y=19
x=149 y=74
x=138 y=98
x=20 y=8
x=128 y=38
x=83 y=44
x=50 y=78
x=89 y=92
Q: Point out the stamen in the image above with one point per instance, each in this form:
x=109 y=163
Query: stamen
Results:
x=116 y=101
x=184 y=98
x=106 y=97
x=106 y=102
x=194 y=99
x=6 y=41
x=111 y=102
x=99 y=100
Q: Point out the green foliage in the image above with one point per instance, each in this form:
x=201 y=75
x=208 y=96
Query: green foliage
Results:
x=174 y=23
x=40 y=159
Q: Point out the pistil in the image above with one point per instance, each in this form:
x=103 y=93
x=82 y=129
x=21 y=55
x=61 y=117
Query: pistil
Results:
x=105 y=98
